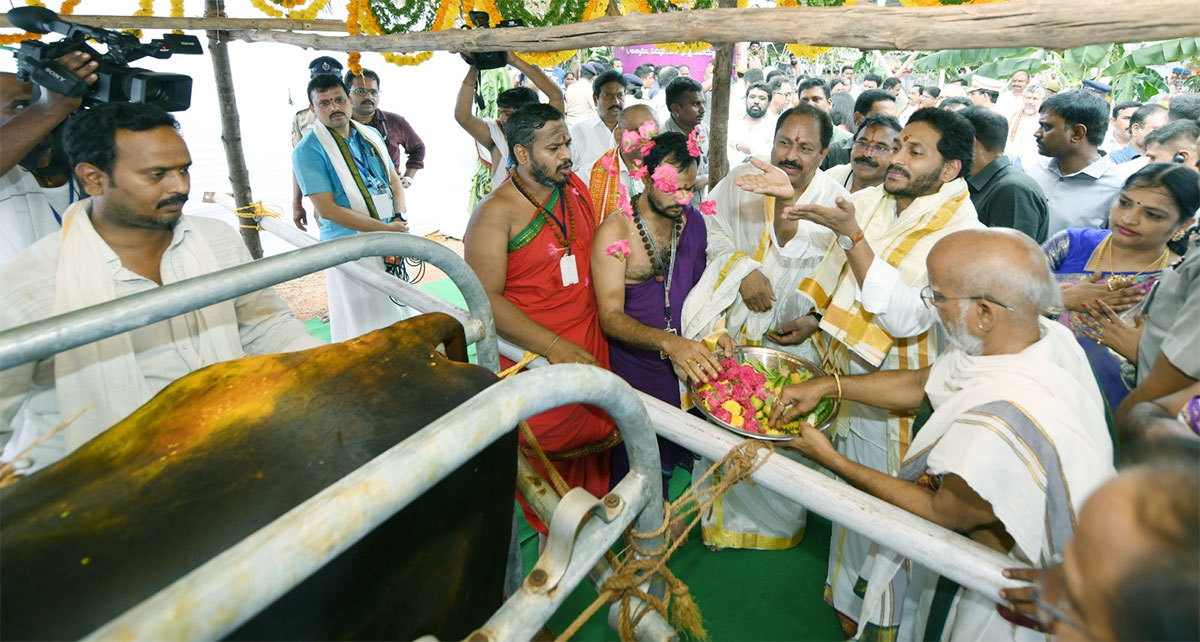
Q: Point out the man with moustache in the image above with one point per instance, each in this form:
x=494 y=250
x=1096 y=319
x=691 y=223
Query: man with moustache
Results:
x=868 y=103
x=393 y=128
x=128 y=236
x=1118 y=126
x=345 y=169
x=1144 y=120
x=865 y=298
x=1012 y=101
x=591 y=137
x=868 y=162
x=1016 y=441
x=609 y=182
x=685 y=105
x=756 y=259
x=1022 y=126
x=640 y=296
x=530 y=243
x=752 y=134
x=35 y=185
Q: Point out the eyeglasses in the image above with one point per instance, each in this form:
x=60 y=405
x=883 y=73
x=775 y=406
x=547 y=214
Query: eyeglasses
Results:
x=363 y=91
x=929 y=297
x=878 y=149
x=1047 y=613
x=329 y=102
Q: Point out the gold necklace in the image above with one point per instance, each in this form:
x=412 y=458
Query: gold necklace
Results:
x=1119 y=281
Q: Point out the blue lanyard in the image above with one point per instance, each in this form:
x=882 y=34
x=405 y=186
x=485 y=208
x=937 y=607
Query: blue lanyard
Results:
x=70 y=199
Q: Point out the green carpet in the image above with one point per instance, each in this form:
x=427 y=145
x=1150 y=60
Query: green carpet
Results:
x=742 y=594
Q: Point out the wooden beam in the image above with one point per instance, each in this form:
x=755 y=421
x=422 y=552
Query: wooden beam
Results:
x=201 y=24
x=1052 y=24
x=231 y=128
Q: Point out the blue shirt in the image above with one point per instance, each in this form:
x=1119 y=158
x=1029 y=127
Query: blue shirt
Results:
x=1124 y=155
x=315 y=174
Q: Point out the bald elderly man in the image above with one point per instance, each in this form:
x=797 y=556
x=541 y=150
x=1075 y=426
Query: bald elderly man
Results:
x=609 y=175
x=1016 y=442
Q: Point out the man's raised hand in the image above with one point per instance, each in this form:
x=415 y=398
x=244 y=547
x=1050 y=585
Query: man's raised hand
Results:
x=771 y=182
x=840 y=219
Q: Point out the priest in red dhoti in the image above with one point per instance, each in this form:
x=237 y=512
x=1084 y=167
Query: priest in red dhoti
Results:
x=529 y=242
x=610 y=181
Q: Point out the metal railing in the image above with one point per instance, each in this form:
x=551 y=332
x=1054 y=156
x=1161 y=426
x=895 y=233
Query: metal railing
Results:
x=223 y=593
x=65 y=331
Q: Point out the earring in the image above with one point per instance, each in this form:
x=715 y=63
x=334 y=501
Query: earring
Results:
x=1179 y=234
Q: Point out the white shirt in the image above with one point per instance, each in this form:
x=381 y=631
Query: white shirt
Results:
x=590 y=138
x=759 y=136
x=578 y=100
x=165 y=351
x=1021 y=142
x=25 y=213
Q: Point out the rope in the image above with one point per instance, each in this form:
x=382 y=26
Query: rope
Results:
x=630 y=573
x=526 y=360
x=640 y=567
x=8 y=470
x=257 y=210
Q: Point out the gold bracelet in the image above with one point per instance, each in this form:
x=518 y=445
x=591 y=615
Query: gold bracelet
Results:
x=551 y=346
x=837 y=380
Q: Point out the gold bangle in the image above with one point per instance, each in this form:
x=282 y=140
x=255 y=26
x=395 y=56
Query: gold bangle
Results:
x=551 y=346
x=837 y=380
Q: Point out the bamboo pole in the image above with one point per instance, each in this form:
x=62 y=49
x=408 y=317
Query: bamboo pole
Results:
x=1051 y=24
x=718 y=131
x=231 y=130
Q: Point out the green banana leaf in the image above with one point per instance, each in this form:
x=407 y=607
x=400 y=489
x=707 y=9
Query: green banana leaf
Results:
x=1007 y=67
x=954 y=58
x=1158 y=54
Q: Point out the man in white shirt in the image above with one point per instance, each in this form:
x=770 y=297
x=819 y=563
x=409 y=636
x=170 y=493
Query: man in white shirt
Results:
x=593 y=136
x=35 y=185
x=1022 y=126
x=1011 y=102
x=753 y=133
x=579 y=99
x=130 y=236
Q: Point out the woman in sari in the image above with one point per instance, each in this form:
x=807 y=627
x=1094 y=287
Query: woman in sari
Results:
x=1109 y=272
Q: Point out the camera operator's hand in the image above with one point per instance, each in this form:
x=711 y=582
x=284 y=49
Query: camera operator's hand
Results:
x=24 y=131
x=80 y=64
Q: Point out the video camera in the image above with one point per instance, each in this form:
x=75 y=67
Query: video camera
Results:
x=488 y=59
x=37 y=62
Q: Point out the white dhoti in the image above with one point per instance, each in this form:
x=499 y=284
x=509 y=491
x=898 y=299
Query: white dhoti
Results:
x=882 y=325
x=742 y=239
x=356 y=308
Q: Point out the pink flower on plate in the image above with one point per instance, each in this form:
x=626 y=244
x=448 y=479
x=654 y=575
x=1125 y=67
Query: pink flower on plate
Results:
x=648 y=130
x=646 y=147
x=728 y=363
x=751 y=425
x=722 y=415
x=708 y=208
x=609 y=163
x=638 y=173
x=683 y=197
x=630 y=141
x=664 y=178
x=619 y=249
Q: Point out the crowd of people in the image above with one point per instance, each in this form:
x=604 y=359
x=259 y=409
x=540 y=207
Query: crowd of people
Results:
x=1000 y=325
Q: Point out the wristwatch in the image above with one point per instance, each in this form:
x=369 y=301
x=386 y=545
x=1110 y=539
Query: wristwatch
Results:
x=406 y=181
x=848 y=242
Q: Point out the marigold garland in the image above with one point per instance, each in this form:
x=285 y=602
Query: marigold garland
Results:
x=664 y=6
x=67 y=8
x=444 y=18
x=309 y=12
x=560 y=12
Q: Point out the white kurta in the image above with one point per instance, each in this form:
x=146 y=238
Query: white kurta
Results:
x=741 y=238
x=25 y=214
x=759 y=137
x=1017 y=428
x=590 y=138
x=164 y=351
